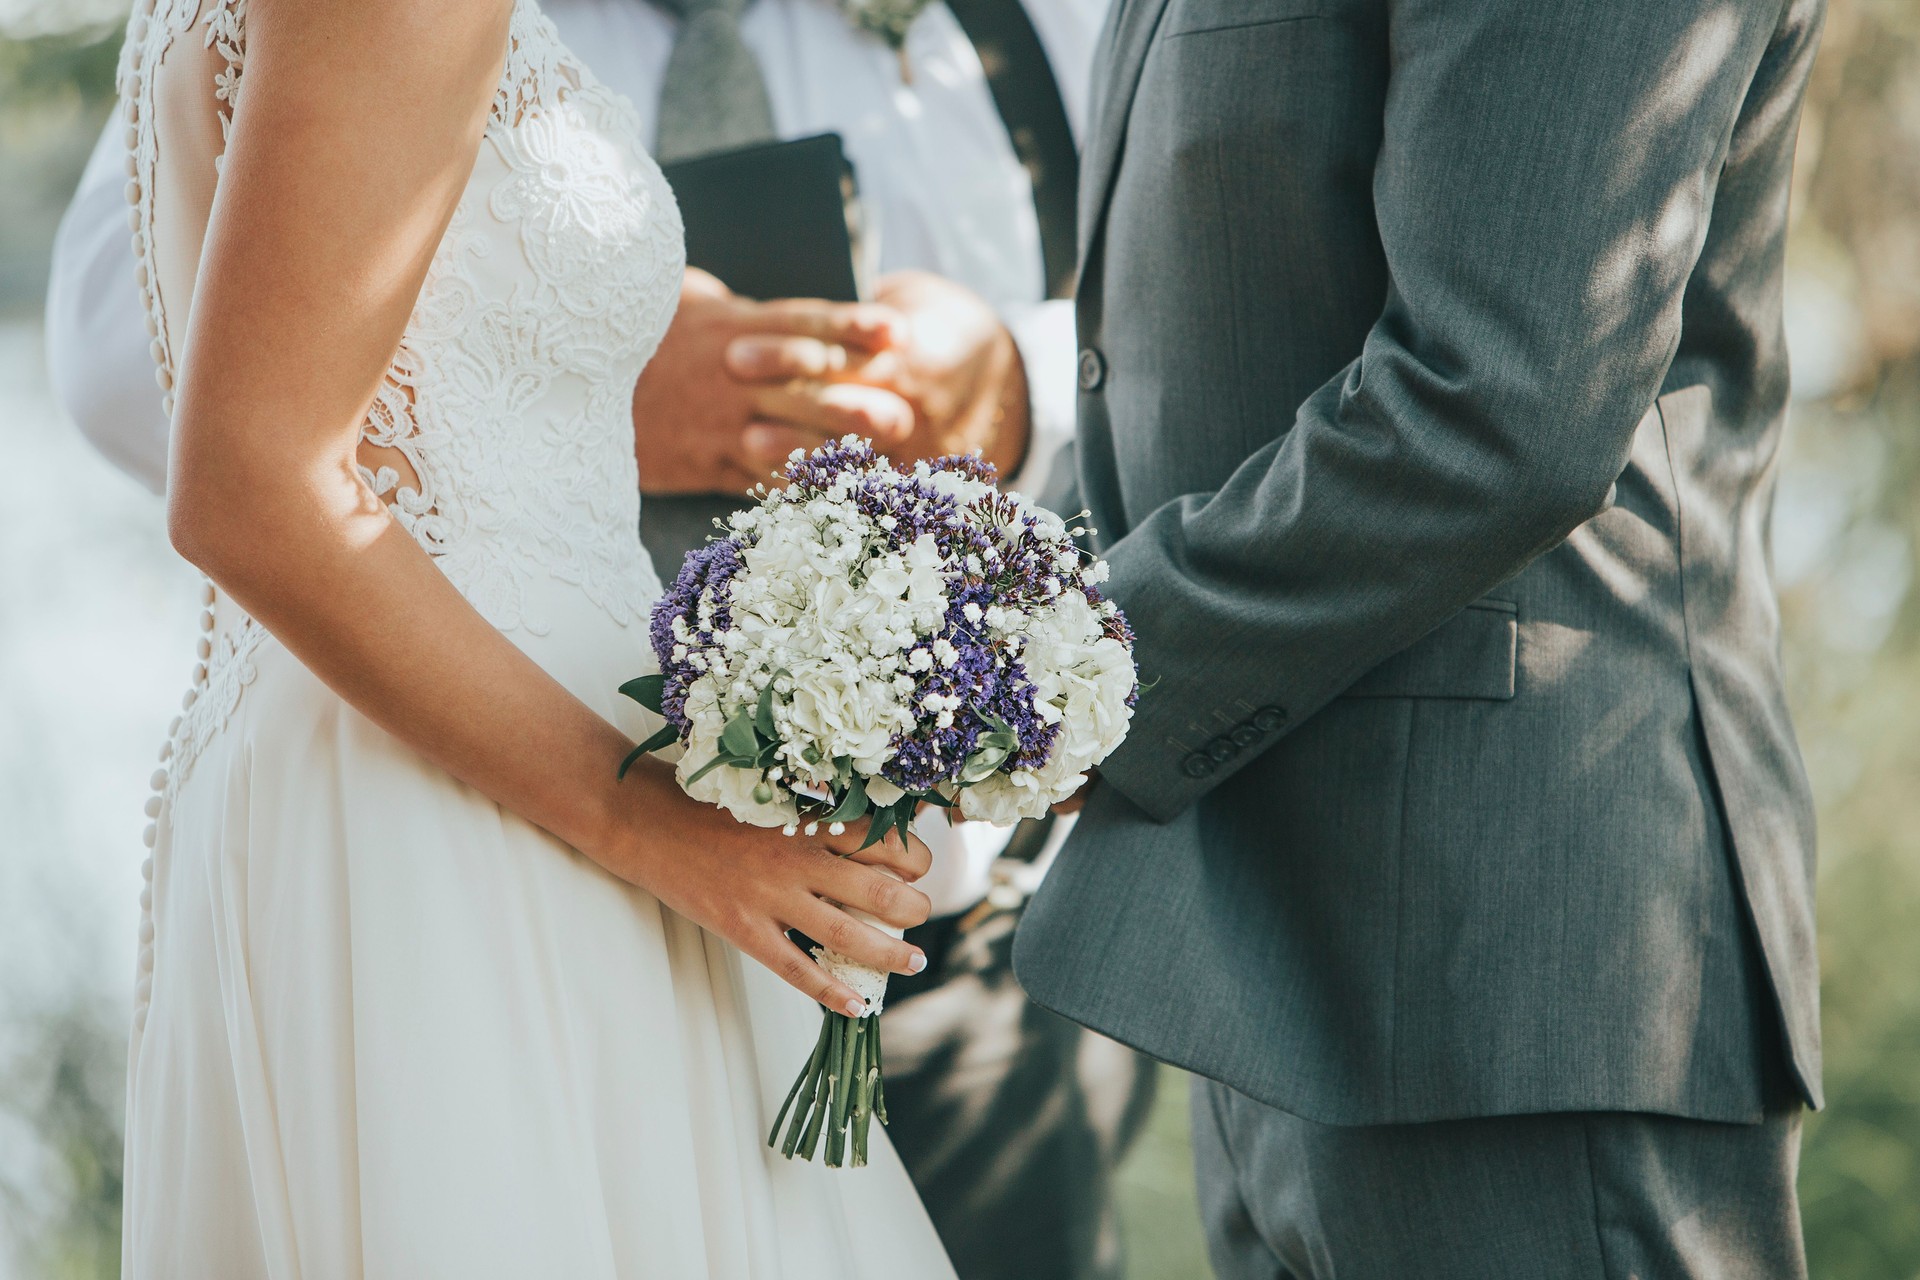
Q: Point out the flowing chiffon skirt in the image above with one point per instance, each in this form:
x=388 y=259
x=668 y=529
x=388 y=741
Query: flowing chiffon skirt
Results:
x=397 y=1032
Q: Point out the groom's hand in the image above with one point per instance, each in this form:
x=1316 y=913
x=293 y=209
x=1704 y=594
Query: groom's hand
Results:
x=948 y=358
x=690 y=415
x=1078 y=800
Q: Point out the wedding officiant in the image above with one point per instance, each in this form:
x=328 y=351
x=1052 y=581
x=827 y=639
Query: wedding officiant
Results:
x=959 y=123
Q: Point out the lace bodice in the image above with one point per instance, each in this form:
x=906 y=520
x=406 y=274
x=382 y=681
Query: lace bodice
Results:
x=502 y=439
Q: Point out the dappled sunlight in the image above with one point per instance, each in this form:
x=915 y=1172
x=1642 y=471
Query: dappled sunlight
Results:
x=97 y=633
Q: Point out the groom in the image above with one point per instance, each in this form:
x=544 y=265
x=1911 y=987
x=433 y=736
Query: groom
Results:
x=1432 y=384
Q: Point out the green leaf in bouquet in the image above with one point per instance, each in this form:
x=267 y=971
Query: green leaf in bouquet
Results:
x=648 y=691
x=883 y=821
x=990 y=751
x=739 y=739
x=854 y=805
x=708 y=768
x=763 y=714
x=986 y=758
x=934 y=797
x=665 y=738
x=628 y=763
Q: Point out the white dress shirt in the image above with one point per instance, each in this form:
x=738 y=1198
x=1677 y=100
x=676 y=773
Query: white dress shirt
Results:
x=942 y=187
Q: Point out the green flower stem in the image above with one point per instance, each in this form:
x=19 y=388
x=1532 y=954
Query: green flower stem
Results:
x=879 y=1076
x=811 y=1138
x=842 y=1093
x=811 y=1096
x=801 y=1116
x=806 y=1079
x=865 y=1074
x=838 y=1095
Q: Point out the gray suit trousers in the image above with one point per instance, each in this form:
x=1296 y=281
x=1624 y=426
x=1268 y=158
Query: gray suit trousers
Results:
x=1573 y=1195
x=1011 y=1120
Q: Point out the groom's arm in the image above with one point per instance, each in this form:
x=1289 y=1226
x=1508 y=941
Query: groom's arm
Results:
x=1542 y=192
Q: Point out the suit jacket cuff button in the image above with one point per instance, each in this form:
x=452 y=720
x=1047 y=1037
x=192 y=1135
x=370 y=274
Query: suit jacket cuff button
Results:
x=1197 y=765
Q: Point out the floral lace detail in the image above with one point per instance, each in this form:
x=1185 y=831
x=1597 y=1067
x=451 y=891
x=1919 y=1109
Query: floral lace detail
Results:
x=229 y=670
x=225 y=21
x=509 y=398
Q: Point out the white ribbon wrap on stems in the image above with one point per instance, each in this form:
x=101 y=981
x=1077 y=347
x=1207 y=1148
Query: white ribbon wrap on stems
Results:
x=867 y=983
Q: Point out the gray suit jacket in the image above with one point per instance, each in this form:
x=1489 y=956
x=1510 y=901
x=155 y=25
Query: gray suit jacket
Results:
x=1433 y=387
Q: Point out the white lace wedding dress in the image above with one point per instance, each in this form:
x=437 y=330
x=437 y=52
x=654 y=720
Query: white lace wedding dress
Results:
x=382 y=1027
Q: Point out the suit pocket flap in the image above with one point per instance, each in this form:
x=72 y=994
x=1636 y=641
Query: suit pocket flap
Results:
x=1187 y=17
x=1471 y=655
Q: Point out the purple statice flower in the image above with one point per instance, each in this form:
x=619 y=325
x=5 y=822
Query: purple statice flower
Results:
x=932 y=754
x=970 y=465
x=984 y=571
x=705 y=573
x=819 y=469
x=1013 y=703
x=905 y=510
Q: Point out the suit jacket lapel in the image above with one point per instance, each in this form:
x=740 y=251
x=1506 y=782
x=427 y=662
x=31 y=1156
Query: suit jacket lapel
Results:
x=1121 y=54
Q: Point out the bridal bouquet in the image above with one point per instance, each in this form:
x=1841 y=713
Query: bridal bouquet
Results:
x=868 y=640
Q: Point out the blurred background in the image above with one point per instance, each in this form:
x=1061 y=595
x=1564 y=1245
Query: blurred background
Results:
x=96 y=616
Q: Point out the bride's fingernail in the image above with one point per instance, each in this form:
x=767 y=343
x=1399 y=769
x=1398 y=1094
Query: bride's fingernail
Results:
x=854 y=1008
x=916 y=962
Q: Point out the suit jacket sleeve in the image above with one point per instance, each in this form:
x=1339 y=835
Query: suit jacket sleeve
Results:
x=1542 y=191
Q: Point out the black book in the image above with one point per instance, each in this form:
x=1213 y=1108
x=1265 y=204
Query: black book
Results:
x=773 y=220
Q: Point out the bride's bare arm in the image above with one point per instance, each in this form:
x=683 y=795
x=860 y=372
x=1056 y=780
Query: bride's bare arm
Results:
x=349 y=151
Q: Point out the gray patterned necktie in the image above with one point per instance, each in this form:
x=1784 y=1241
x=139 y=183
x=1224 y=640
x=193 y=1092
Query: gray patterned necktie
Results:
x=713 y=96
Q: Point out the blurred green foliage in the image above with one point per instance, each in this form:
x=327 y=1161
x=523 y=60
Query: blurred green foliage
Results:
x=1851 y=538
x=1159 y=1215
x=68 y=1214
x=1853 y=636
x=54 y=92
x=55 y=71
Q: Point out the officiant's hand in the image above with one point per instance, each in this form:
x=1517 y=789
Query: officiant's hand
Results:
x=949 y=358
x=689 y=413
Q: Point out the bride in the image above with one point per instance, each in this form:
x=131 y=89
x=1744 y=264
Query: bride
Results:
x=423 y=991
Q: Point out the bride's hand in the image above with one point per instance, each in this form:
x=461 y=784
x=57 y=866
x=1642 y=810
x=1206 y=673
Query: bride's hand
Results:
x=751 y=884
